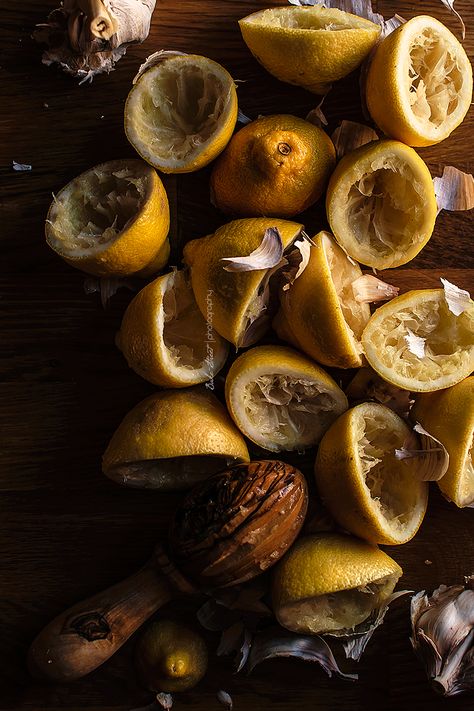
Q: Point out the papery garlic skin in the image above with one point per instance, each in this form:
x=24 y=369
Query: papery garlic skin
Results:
x=87 y=37
x=443 y=636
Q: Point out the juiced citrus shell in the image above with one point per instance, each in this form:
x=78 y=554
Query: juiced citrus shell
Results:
x=112 y=220
x=329 y=582
x=181 y=112
x=238 y=303
x=448 y=347
x=319 y=313
x=173 y=439
x=381 y=204
x=166 y=339
x=449 y=416
x=419 y=86
x=280 y=399
x=366 y=488
x=309 y=46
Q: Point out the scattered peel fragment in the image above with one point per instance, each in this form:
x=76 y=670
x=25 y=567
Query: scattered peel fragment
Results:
x=458 y=300
x=416 y=344
x=454 y=190
x=298 y=259
x=351 y=135
x=107 y=287
x=354 y=645
x=88 y=37
x=368 y=289
x=432 y=454
x=165 y=700
x=21 y=167
x=276 y=642
x=267 y=255
x=443 y=636
x=316 y=116
x=225 y=699
x=243 y=118
x=450 y=5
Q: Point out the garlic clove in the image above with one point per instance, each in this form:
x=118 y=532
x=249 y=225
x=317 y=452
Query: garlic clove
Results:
x=443 y=636
x=368 y=289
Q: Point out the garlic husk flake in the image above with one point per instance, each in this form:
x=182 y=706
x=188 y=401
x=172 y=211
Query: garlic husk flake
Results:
x=351 y=135
x=355 y=644
x=277 y=642
x=225 y=699
x=267 y=255
x=454 y=190
x=443 y=636
x=450 y=5
x=432 y=455
x=458 y=300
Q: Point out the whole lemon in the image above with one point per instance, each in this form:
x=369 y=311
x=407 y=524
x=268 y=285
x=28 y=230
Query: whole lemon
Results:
x=170 y=656
x=274 y=166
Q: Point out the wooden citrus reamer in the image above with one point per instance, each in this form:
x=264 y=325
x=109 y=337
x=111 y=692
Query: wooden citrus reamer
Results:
x=230 y=528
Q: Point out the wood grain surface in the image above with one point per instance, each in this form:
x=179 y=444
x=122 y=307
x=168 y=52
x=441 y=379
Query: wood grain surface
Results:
x=65 y=530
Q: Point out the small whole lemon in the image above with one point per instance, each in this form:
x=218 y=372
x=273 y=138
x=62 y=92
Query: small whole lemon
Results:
x=274 y=166
x=170 y=656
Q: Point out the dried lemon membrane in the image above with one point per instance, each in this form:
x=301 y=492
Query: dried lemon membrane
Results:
x=280 y=399
x=383 y=501
x=166 y=339
x=448 y=341
x=181 y=112
x=381 y=204
x=419 y=85
x=111 y=220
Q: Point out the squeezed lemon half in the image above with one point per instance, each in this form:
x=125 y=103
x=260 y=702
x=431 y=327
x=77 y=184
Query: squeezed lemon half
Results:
x=309 y=46
x=166 y=339
x=181 y=113
x=112 y=220
x=448 y=341
x=280 y=399
x=448 y=415
x=319 y=313
x=172 y=440
x=366 y=488
x=329 y=582
x=381 y=204
x=239 y=304
x=419 y=86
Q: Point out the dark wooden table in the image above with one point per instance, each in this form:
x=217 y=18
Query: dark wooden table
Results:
x=65 y=530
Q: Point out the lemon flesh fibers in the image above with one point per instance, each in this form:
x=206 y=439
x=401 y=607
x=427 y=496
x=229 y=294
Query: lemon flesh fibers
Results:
x=381 y=204
x=280 y=399
x=239 y=304
x=366 y=488
x=181 y=112
x=330 y=582
x=319 y=313
x=112 y=220
x=419 y=86
x=448 y=415
x=166 y=339
x=448 y=341
x=172 y=440
x=309 y=46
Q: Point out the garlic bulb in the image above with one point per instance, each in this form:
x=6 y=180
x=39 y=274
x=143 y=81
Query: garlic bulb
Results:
x=443 y=636
x=87 y=37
